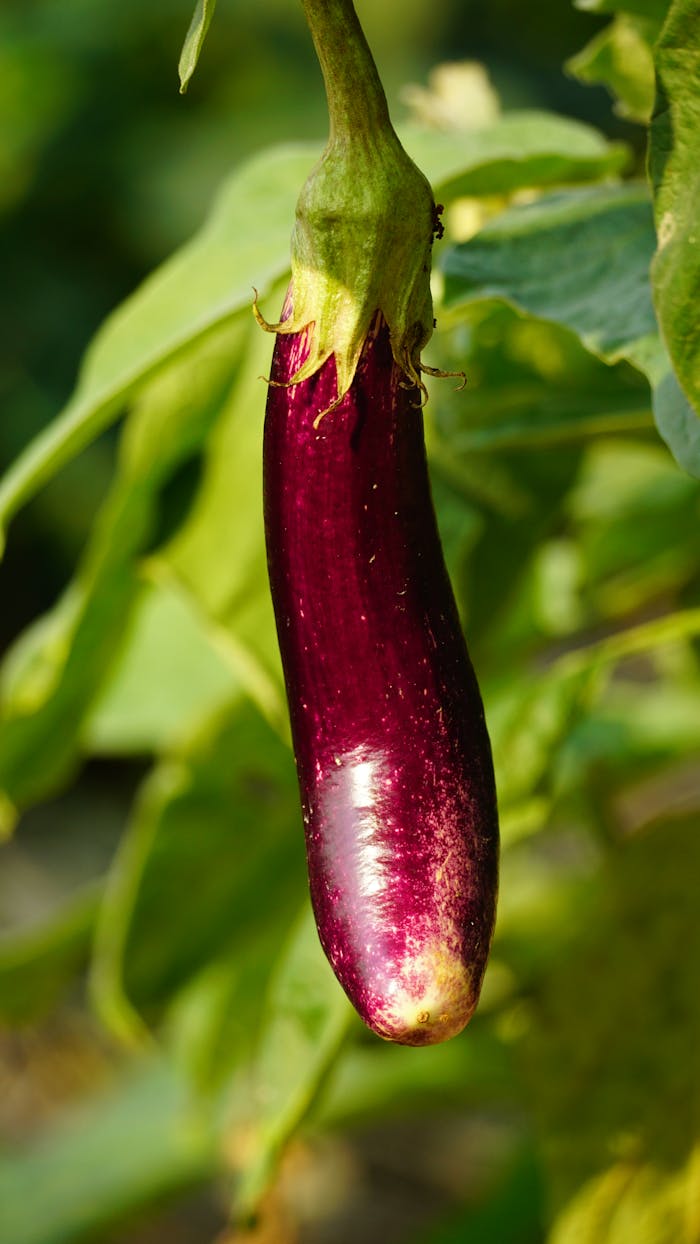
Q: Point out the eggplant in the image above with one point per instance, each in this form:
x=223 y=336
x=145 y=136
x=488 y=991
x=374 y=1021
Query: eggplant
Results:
x=392 y=752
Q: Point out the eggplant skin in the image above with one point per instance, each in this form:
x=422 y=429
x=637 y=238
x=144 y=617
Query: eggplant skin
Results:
x=392 y=752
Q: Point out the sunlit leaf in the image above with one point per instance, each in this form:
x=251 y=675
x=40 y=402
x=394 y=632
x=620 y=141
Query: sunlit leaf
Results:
x=167 y=675
x=244 y=243
x=57 y=671
x=516 y=149
x=620 y=57
x=227 y=575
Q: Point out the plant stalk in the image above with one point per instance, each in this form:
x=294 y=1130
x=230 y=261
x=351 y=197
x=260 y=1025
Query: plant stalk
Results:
x=356 y=101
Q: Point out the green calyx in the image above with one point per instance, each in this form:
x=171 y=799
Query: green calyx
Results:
x=365 y=219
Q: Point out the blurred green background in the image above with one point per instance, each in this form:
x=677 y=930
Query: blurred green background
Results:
x=172 y=1043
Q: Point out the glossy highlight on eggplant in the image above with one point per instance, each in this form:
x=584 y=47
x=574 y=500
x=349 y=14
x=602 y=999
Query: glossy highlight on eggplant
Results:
x=392 y=753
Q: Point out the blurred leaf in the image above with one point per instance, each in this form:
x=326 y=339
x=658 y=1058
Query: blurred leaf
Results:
x=166 y=675
x=579 y=258
x=307 y=1018
x=201 y=18
x=213 y=1021
x=678 y=423
x=244 y=243
x=515 y=150
x=227 y=575
x=620 y=57
x=385 y=1081
x=674 y=167
x=217 y=821
x=530 y=718
x=128 y=1149
x=528 y=722
x=612 y=1053
x=56 y=671
x=36 y=965
x=635 y=518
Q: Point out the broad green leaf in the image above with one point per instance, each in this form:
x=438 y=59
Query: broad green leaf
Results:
x=620 y=57
x=579 y=258
x=129 y=1148
x=38 y=964
x=612 y=1052
x=57 y=671
x=167 y=675
x=308 y=1016
x=227 y=575
x=201 y=19
x=244 y=243
x=218 y=821
x=674 y=167
x=515 y=150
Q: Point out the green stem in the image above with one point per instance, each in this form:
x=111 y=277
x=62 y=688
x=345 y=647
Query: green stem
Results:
x=356 y=101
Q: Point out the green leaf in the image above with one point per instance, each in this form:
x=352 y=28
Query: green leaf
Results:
x=232 y=591
x=528 y=722
x=674 y=167
x=129 y=1148
x=167 y=674
x=244 y=243
x=201 y=19
x=678 y=423
x=217 y=820
x=620 y=57
x=579 y=258
x=634 y=518
x=308 y=1016
x=517 y=149
x=55 y=673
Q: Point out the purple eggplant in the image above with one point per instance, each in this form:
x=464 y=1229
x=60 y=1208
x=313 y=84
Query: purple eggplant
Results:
x=392 y=753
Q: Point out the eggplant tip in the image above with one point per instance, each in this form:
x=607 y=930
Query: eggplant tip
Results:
x=430 y=1000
